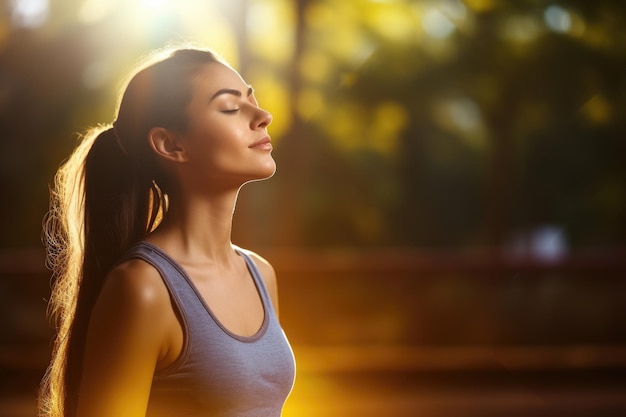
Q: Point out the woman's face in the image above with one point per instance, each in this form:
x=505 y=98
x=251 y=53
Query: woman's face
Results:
x=226 y=142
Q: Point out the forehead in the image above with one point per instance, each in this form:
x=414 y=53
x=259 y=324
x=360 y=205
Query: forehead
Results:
x=214 y=77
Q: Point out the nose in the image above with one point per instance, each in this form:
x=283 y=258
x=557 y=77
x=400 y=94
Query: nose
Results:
x=263 y=119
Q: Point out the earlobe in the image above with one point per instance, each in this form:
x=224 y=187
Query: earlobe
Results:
x=166 y=145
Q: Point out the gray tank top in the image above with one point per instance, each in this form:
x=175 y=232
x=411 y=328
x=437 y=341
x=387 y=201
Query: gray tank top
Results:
x=218 y=373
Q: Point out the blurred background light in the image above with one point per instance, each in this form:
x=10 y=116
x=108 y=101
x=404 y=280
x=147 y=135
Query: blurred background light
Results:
x=557 y=19
x=545 y=242
x=93 y=11
x=29 y=13
x=454 y=10
x=436 y=24
x=266 y=25
x=548 y=242
x=465 y=113
x=462 y=117
x=393 y=23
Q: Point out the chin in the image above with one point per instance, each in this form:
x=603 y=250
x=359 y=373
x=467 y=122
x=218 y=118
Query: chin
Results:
x=264 y=173
x=269 y=170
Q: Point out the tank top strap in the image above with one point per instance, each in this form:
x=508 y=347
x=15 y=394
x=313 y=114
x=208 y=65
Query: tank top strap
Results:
x=173 y=277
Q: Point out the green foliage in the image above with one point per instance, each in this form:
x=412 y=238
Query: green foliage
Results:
x=415 y=123
x=504 y=133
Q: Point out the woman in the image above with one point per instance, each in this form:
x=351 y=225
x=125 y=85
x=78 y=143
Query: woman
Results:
x=158 y=314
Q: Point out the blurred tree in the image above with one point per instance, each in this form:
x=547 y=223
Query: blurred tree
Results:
x=407 y=122
x=492 y=120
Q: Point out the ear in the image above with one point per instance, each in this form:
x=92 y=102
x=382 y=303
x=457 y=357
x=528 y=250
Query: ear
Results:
x=166 y=145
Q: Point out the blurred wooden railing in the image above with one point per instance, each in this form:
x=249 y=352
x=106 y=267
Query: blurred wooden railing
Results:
x=400 y=308
x=419 y=261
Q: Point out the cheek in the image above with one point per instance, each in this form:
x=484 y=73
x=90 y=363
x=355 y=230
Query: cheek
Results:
x=208 y=139
x=216 y=151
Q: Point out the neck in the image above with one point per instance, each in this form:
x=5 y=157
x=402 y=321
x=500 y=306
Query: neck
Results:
x=198 y=227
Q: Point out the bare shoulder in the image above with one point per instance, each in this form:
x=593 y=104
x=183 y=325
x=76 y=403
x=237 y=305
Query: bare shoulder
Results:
x=269 y=276
x=134 y=284
x=133 y=299
x=265 y=268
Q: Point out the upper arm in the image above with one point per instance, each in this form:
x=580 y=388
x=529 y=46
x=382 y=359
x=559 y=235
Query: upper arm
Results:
x=269 y=278
x=124 y=343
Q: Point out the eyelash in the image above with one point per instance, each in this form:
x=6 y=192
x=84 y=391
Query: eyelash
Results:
x=230 y=111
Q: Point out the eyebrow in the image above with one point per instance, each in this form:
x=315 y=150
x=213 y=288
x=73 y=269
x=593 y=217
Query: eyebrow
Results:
x=232 y=91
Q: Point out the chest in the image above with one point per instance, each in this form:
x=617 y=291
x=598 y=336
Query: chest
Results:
x=233 y=298
x=221 y=372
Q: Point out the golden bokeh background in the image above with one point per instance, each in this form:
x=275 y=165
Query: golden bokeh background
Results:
x=448 y=219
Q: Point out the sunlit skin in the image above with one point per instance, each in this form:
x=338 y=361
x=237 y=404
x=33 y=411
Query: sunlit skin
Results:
x=134 y=330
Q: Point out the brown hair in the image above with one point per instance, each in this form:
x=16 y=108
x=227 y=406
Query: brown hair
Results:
x=109 y=194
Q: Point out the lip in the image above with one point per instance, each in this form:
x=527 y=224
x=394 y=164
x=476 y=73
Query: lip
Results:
x=262 y=144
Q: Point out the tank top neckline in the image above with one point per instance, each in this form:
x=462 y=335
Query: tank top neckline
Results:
x=256 y=279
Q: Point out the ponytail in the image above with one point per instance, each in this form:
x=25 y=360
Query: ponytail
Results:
x=101 y=203
x=108 y=195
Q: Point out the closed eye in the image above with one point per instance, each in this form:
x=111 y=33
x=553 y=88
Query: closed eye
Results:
x=230 y=111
